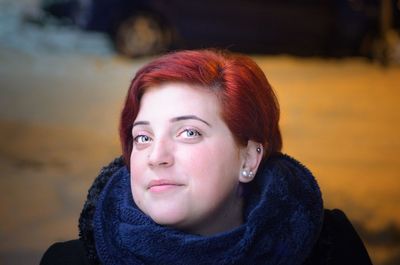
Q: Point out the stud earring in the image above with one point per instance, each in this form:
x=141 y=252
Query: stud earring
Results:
x=251 y=174
x=258 y=150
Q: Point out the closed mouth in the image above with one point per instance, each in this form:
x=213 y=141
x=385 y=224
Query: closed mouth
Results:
x=162 y=184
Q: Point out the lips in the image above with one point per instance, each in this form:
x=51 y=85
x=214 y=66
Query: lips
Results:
x=160 y=185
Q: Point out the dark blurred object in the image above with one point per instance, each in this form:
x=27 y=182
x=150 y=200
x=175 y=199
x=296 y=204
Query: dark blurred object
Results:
x=305 y=28
x=387 y=45
x=64 y=9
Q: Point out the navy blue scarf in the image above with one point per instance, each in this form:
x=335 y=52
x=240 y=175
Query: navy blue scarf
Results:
x=283 y=218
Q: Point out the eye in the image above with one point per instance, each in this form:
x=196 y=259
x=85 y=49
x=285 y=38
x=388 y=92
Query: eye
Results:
x=189 y=133
x=142 y=139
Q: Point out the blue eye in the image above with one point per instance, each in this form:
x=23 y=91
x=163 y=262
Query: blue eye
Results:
x=142 y=139
x=190 y=133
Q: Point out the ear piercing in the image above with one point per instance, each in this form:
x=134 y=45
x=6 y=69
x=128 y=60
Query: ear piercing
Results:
x=247 y=174
x=250 y=174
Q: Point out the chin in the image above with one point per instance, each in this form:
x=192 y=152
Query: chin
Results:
x=168 y=218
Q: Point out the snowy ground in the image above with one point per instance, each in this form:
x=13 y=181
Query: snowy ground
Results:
x=51 y=38
x=60 y=94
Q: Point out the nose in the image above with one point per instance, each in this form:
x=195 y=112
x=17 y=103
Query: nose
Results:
x=161 y=154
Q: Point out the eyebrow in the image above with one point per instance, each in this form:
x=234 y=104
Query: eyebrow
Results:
x=140 y=123
x=176 y=119
x=189 y=117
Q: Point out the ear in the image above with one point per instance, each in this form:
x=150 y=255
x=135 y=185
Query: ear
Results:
x=252 y=156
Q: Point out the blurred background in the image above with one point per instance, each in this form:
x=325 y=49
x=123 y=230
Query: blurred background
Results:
x=65 y=66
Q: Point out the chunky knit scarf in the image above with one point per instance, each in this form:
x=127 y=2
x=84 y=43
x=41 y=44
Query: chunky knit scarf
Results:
x=283 y=218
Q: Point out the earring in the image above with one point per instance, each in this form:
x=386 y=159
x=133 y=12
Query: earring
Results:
x=258 y=150
x=247 y=174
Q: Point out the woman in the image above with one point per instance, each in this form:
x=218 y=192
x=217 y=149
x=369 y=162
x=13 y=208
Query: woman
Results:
x=202 y=179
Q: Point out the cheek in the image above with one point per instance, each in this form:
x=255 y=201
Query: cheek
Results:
x=195 y=160
x=138 y=166
x=138 y=160
x=137 y=169
x=212 y=166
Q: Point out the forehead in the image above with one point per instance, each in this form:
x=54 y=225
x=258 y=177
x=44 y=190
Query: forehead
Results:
x=178 y=99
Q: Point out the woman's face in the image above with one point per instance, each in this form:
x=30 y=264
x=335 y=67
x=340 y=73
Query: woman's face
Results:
x=185 y=163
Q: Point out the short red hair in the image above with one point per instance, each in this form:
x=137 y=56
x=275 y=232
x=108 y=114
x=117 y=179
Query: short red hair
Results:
x=249 y=106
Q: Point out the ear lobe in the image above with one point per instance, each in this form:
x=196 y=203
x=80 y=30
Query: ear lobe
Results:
x=253 y=156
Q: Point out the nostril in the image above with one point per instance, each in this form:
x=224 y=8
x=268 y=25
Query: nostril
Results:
x=164 y=161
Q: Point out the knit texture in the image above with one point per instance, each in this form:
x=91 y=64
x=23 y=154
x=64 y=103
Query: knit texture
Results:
x=86 y=217
x=283 y=218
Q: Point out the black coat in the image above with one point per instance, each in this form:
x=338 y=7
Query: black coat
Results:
x=338 y=243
